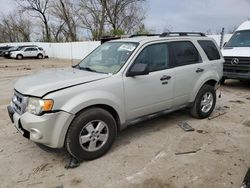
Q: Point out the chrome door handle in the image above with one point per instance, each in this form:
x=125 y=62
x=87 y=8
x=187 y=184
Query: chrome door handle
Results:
x=199 y=70
x=165 y=77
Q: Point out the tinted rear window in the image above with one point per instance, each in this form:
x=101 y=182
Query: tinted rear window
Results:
x=210 y=49
x=183 y=53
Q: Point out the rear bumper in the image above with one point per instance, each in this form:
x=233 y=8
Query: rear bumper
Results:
x=48 y=129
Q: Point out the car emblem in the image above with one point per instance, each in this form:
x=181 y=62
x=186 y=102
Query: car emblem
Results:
x=235 y=61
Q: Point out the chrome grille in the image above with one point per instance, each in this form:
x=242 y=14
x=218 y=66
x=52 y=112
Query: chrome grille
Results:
x=19 y=102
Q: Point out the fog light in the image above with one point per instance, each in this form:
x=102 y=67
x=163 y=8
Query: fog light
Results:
x=35 y=134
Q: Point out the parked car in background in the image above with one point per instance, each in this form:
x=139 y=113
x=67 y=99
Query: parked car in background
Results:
x=4 y=48
x=25 y=52
x=16 y=48
x=122 y=81
x=236 y=53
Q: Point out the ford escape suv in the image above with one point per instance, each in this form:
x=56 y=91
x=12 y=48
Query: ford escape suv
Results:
x=83 y=107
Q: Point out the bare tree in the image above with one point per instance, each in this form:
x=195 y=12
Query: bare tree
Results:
x=124 y=15
x=37 y=8
x=92 y=17
x=13 y=28
x=64 y=11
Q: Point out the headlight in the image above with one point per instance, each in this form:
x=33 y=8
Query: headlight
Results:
x=37 y=106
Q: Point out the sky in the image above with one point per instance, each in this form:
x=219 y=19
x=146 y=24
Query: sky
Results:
x=185 y=15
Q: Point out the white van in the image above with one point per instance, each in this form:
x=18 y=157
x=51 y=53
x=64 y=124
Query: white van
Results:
x=236 y=53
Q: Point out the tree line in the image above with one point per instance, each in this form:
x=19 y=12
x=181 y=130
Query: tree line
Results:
x=72 y=20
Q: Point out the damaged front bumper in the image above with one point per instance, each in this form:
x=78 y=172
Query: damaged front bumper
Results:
x=49 y=129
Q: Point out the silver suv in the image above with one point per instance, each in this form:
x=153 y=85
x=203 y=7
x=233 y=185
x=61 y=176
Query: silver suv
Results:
x=31 y=51
x=82 y=108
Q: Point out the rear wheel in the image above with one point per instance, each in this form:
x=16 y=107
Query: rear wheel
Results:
x=19 y=56
x=91 y=134
x=204 y=102
x=222 y=81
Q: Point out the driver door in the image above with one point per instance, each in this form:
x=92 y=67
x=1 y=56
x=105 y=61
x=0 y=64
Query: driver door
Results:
x=147 y=94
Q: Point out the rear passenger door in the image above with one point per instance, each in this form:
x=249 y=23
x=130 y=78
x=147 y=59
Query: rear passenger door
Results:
x=188 y=65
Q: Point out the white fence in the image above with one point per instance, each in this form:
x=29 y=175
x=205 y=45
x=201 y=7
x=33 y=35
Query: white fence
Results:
x=68 y=50
x=78 y=50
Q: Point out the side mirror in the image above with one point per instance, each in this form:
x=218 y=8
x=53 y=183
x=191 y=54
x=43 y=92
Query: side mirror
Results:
x=224 y=44
x=137 y=70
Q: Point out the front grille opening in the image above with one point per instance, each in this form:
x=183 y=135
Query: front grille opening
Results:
x=26 y=133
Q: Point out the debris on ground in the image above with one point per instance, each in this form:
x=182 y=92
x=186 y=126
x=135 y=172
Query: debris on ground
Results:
x=40 y=168
x=246 y=123
x=1 y=150
x=59 y=186
x=216 y=114
x=237 y=101
x=73 y=163
x=246 y=181
x=248 y=98
x=187 y=152
x=185 y=126
x=201 y=131
x=220 y=152
x=61 y=175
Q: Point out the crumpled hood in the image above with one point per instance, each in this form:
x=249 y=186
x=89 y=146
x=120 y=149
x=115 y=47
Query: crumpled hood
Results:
x=41 y=83
x=236 y=52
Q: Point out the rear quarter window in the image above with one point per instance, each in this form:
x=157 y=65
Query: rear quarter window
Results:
x=210 y=49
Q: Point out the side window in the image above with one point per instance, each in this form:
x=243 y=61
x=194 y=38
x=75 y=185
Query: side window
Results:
x=210 y=49
x=34 y=49
x=183 y=53
x=155 y=56
x=28 y=50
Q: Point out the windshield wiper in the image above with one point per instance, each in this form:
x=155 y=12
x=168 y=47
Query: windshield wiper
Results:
x=87 y=69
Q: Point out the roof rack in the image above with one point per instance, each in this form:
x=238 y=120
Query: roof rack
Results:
x=144 y=35
x=170 y=34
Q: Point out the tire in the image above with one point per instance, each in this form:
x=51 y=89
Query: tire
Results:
x=222 y=81
x=40 y=56
x=19 y=56
x=207 y=96
x=93 y=144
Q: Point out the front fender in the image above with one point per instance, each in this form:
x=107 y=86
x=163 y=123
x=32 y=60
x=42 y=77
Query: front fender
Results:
x=90 y=98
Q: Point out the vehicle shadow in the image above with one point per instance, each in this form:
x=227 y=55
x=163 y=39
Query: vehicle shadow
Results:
x=149 y=126
x=236 y=84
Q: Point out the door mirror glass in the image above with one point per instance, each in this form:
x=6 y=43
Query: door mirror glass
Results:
x=138 y=69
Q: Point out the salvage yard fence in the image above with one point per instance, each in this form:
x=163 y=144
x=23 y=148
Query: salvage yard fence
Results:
x=79 y=50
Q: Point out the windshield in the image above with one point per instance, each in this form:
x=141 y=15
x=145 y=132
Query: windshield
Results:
x=240 y=39
x=108 y=58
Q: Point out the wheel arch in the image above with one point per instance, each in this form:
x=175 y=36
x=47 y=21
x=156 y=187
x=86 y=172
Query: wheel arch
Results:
x=212 y=81
x=108 y=108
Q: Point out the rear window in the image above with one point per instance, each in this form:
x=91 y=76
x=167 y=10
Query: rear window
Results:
x=210 y=49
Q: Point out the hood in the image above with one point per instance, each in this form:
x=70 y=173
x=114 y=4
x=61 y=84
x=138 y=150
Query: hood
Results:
x=42 y=83
x=236 y=51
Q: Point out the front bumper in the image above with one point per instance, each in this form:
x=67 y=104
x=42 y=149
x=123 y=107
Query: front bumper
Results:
x=49 y=129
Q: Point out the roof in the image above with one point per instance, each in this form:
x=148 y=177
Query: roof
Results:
x=244 y=26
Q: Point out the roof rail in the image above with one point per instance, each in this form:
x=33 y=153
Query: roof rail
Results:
x=144 y=35
x=169 y=34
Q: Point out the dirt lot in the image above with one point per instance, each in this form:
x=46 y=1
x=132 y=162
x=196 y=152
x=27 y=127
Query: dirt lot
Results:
x=144 y=155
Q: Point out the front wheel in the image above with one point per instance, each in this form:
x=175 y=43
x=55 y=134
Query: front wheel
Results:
x=19 y=56
x=204 y=102
x=39 y=56
x=91 y=134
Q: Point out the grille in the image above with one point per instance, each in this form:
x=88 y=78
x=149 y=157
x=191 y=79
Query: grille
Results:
x=242 y=60
x=19 y=102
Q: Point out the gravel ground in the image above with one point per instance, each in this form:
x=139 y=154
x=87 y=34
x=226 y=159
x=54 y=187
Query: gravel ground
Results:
x=144 y=155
